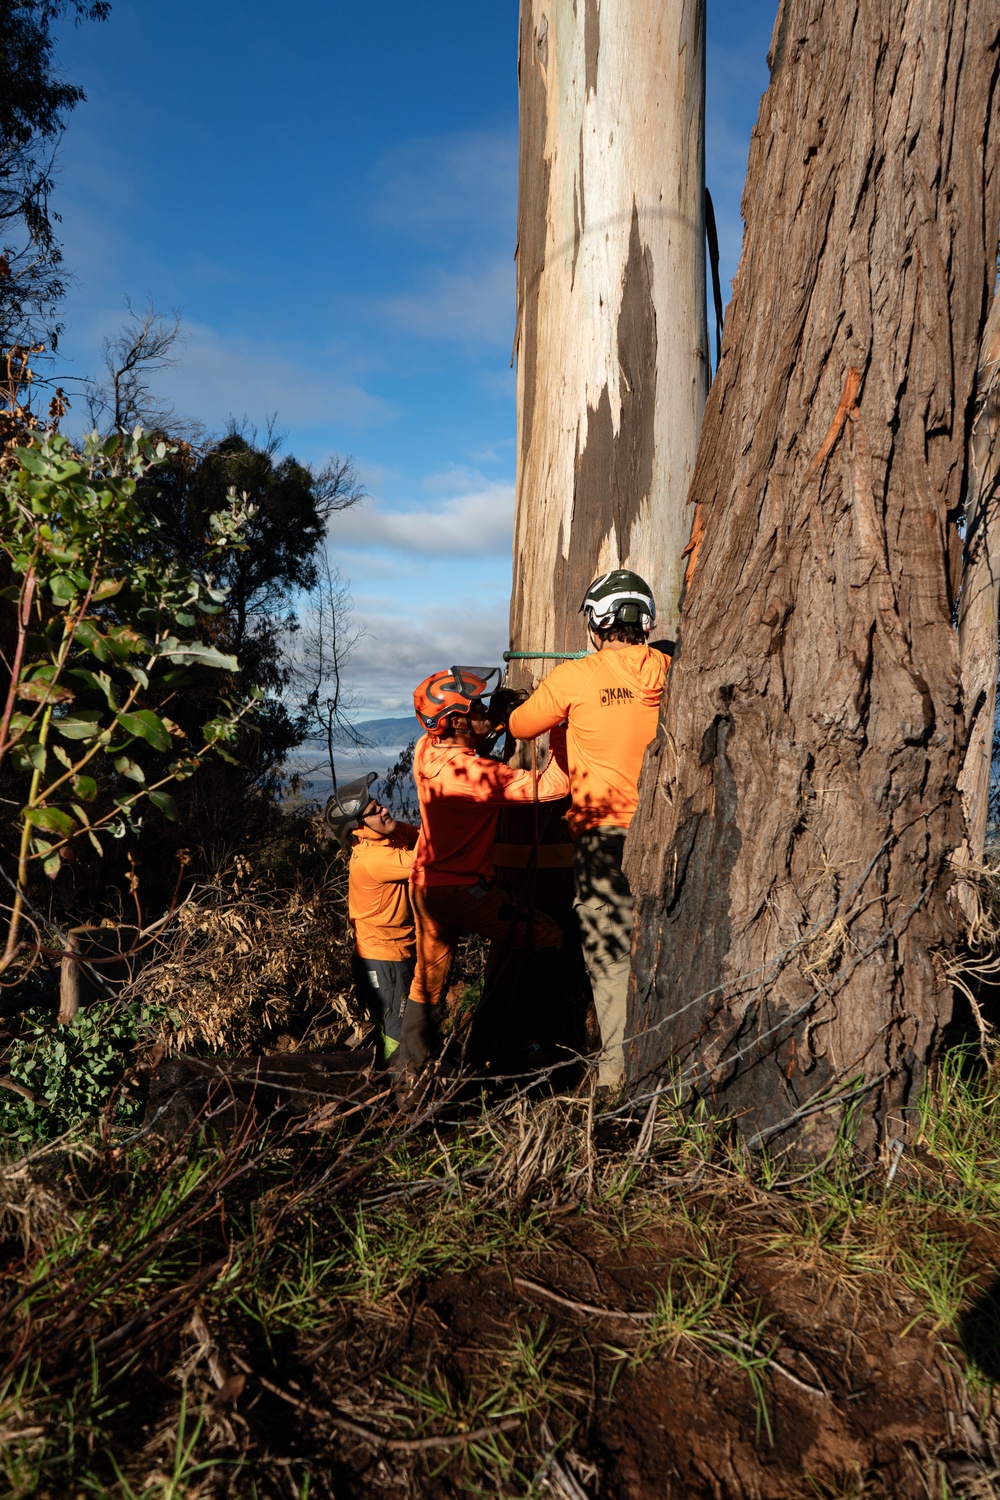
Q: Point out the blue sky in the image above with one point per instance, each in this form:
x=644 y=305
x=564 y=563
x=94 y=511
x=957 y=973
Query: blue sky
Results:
x=327 y=193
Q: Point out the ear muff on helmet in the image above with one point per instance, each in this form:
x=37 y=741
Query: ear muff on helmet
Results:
x=619 y=598
x=345 y=810
x=450 y=691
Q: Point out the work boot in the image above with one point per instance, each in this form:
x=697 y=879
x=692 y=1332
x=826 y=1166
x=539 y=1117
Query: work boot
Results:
x=419 y=1038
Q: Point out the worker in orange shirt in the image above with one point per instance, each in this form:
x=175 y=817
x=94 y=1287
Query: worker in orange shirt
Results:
x=378 y=904
x=610 y=702
x=461 y=790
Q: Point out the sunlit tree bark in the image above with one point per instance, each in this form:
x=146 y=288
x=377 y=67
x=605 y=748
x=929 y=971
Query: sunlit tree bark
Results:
x=611 y=339
x=980 y=595
x=792 y=854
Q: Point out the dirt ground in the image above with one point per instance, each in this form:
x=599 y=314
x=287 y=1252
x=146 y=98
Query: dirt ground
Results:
x=513 y=1302
x=855 y=1403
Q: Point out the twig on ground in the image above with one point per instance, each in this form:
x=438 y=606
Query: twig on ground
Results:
x=584 y=1307
x=631 y=1317
x=370 y=1434
x=552 y=1468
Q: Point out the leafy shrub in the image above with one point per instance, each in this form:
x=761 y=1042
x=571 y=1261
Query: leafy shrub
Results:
x=72 y=1070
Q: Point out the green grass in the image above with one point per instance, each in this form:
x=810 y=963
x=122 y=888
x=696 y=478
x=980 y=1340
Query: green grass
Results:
x=300 y=1261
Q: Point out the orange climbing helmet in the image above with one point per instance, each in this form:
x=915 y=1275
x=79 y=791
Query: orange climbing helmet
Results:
x=451 y=691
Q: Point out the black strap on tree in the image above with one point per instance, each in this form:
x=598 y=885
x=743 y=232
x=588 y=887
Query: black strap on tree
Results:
x=712 y=235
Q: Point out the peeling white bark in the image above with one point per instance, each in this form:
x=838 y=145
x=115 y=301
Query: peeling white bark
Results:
x=612 y=345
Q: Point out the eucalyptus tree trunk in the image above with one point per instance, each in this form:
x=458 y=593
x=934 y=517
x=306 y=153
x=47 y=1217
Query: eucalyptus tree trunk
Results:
x=611 y=341
x=977 y=619
x=799 y=809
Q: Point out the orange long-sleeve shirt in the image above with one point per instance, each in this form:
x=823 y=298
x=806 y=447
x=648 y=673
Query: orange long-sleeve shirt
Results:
x=378 y=892
x=461 y=794
x=610 y=701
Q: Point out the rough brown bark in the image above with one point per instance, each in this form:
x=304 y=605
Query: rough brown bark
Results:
x=799 y=807
x=977 y=619
x=611 y=342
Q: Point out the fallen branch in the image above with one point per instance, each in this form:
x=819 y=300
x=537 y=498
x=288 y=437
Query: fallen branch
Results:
x=6 y=1082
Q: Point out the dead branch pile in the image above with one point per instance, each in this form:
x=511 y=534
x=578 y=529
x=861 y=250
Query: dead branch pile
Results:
x=240 y=958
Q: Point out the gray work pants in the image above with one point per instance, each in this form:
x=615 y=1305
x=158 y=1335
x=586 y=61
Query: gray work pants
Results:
x=382 y=985
x=604 y=910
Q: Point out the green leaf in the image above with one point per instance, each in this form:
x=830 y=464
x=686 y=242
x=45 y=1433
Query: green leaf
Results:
x=126 y=767
x=108 y=587
x=165 y=803
x=31 y=758
x=92 y=640
x=85 y=788
x=52 y=819
x=84 y=724
x=63 y=589
x=30 y=459
x=40 y=691
x=146 y=725
x=124 y=641
x=196 y=653
x=98 y=682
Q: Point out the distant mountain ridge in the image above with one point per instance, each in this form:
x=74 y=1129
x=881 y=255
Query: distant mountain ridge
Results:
x=379 y=732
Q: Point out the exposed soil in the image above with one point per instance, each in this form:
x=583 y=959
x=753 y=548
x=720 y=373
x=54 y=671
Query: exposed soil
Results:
x=852 y=1401
x=503 y=1303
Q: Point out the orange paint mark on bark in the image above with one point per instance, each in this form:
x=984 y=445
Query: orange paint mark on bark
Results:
x=848 y=403
x=691 y=550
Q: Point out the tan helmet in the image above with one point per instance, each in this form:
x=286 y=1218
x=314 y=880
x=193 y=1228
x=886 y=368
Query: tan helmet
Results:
x=345 y=810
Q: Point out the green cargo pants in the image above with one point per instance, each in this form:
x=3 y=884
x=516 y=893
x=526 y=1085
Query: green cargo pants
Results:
x=604 y=909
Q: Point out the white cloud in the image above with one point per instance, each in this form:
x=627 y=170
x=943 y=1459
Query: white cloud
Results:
x=476 y=523
x=404 y=644
x=222 y=376
x=473 y=305
x=457 y=194
x=435 y=187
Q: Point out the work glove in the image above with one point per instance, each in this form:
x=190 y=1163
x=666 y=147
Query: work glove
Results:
x=419 y=1037
x=503 y=703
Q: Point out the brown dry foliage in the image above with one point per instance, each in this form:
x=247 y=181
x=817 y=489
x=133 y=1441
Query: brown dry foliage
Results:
x=241 y=958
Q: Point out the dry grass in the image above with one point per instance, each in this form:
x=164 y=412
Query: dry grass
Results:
x=517 y=1299
x=239 y=958
x=489 y=1301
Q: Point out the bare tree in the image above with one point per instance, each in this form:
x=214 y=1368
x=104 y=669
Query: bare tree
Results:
x=123 y=398
x=611 y=338
x=799 y=812
x=337 y=486
x=322 y=650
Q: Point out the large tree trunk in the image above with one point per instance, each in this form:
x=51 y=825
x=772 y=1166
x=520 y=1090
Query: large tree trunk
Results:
x=977 y=619
x=612 y=347
x=799 y=807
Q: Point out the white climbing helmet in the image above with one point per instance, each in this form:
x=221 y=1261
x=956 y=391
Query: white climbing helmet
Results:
x=619 y=598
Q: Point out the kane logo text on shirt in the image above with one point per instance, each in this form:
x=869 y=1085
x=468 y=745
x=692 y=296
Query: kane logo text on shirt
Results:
x=611 y=696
